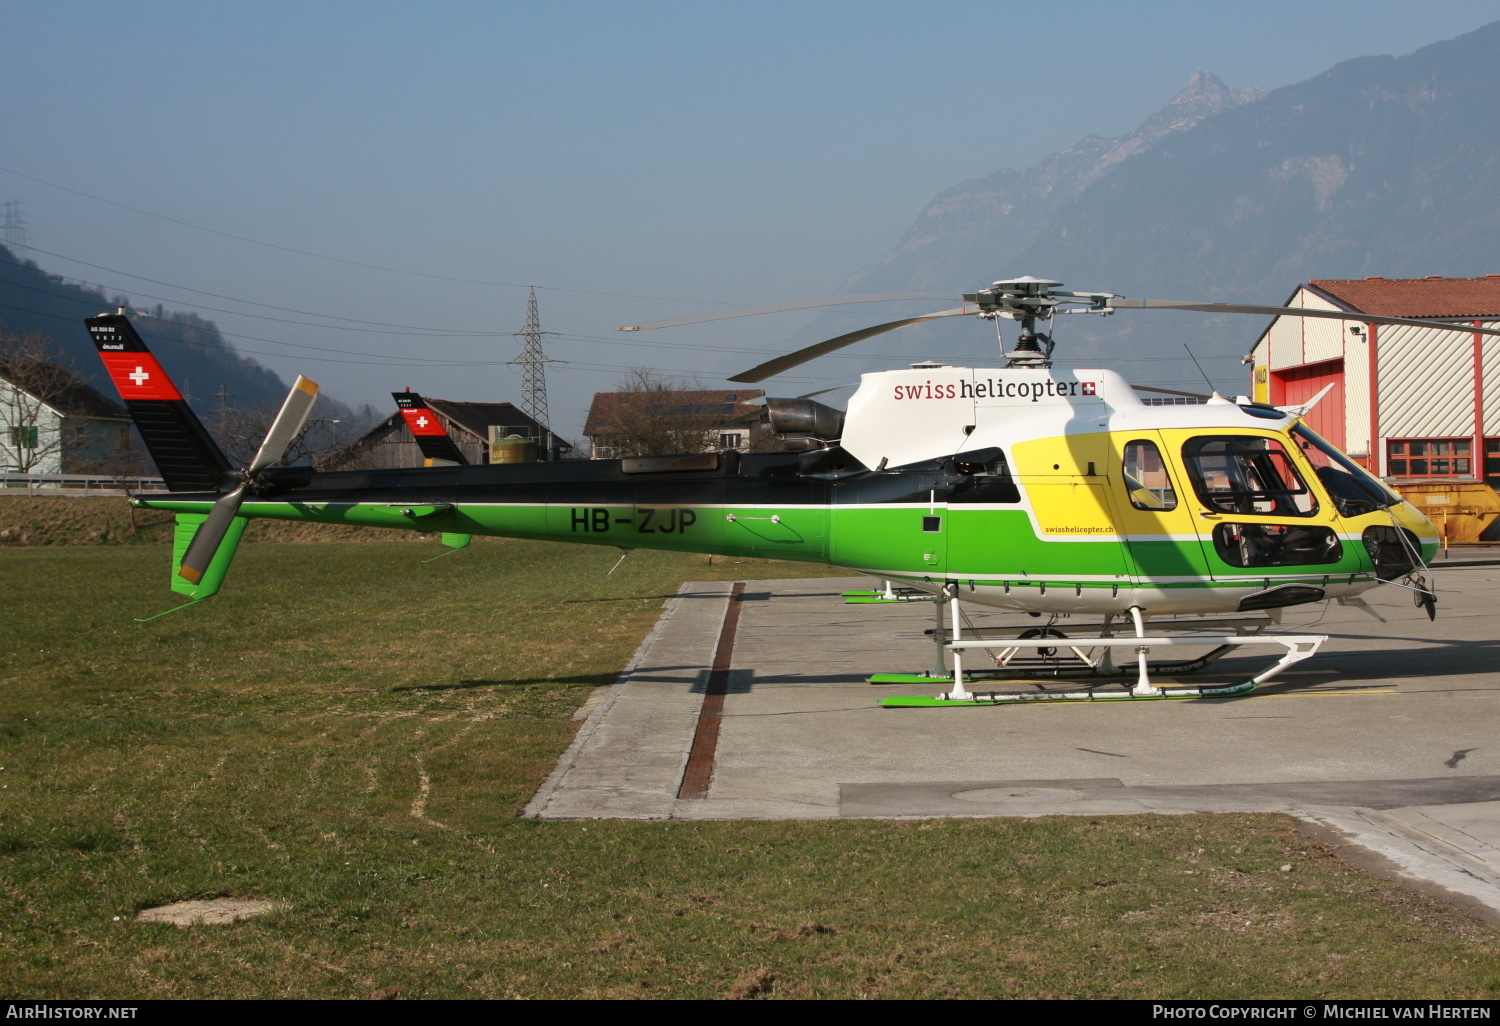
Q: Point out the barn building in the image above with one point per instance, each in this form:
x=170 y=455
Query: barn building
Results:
x=1406 y=402
x=472 y=426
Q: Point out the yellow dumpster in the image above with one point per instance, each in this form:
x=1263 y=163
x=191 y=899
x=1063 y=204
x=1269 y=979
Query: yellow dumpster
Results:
x=1463 y=511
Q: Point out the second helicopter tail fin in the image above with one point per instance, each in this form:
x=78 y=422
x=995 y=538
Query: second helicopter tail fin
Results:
x=427 y=428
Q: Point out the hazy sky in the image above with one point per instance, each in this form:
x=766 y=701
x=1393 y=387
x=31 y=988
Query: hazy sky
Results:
x=628 y=158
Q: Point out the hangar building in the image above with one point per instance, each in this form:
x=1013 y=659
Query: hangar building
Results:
x=1406 y=402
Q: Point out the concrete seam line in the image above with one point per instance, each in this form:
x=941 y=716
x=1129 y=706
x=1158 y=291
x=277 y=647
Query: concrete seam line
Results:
x=538 y=803
x=698 y=772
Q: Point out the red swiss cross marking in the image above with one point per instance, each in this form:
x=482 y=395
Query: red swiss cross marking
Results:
x=139 y=376
x=422 y=422
x=1088 y=387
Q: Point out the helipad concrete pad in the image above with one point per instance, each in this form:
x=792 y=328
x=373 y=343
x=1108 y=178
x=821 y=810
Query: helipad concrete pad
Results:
x=1387 y=736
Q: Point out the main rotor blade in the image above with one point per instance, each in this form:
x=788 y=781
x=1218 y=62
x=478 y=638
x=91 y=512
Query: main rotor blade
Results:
x=1170 y=391
x=823 y=391
x=285 y=427
x=812 y=352
x=205 y=544
x=805 y=304
x=1292 y=311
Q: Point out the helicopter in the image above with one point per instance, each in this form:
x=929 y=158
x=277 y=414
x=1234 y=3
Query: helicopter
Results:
x=1020 y=487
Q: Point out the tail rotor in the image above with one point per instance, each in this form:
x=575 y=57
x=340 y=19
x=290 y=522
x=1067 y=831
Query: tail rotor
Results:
x=284 y=430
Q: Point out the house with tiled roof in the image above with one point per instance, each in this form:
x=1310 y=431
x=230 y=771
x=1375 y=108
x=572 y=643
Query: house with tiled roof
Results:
x=659 y=420
x=472 y=426
x=1407 y=402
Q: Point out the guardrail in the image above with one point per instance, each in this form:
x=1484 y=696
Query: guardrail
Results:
x=80 y=484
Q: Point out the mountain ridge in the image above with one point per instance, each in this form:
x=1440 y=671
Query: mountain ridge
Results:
x=1380 y=165
x=1019 y=201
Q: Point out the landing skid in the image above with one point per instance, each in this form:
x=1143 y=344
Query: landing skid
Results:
x=955 y=644
x=1039 y=673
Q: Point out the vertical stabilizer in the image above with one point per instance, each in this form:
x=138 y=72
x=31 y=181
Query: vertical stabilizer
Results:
x=427 y=428
x=185 y=453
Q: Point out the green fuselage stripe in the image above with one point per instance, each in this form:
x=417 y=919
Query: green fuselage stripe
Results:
x=987 y=545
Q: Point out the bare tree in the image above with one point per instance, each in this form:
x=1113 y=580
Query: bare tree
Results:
x=763 y=439
x=34 y=385
x=240 y=433
x=655 y=415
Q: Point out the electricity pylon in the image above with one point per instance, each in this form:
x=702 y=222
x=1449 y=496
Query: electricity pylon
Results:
x=14 y=231
x=533 y=364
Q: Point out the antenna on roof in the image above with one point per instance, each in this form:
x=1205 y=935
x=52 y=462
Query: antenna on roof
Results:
x=1210 y=384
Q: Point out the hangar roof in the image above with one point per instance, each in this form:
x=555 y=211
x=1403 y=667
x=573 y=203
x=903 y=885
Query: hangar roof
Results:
x=1415 y=297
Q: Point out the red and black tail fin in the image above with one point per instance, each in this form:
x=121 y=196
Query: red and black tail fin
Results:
x=427 y=429
x=184 y=452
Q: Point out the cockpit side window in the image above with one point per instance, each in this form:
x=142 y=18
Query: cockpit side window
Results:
x=1247 y=474
x=1146 y=480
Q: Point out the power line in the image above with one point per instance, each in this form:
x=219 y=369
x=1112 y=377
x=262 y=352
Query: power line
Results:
x=341 y=260
x=254 y=338
x=438 y=364
x=269 y=306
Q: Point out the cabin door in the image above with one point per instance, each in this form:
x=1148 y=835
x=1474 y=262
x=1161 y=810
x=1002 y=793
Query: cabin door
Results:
x=1154 y=514
x=1256 y=516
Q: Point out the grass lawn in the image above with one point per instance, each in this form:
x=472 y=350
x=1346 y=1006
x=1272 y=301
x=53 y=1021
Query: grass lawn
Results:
x=352 y=732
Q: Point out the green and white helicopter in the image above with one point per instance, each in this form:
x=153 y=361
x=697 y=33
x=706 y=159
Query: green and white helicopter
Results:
x=1019 y=487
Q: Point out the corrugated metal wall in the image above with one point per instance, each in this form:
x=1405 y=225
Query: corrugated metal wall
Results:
x=1426 y=382
x=1491 y=350
x=1295 y=340
x=1426 y=377
x=1356 y=390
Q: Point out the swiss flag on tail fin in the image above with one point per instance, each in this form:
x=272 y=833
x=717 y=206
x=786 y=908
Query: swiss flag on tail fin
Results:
x=427 y=429
x=184 y=452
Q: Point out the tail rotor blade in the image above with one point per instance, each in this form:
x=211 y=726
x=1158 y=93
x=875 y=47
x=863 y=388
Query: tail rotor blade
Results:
x=286 y=426
x=812 y=352
x=205 y=544
x=210 y=534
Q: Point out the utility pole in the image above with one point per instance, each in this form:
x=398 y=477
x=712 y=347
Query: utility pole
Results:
x=14 y=231
x=533 y=364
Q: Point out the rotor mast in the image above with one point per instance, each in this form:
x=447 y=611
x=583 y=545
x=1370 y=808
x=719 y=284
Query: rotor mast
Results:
x=1027 y=300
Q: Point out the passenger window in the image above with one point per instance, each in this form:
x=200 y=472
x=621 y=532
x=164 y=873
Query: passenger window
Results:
x=1276 y=544
x=1146 y=480
x=1244 y=474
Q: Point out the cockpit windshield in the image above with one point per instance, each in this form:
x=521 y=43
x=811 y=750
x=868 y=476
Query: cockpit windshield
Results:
x=1354 y=489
